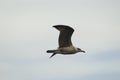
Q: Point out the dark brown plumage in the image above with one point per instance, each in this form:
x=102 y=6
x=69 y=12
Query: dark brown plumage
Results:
x=65 y=35
x=65 y=43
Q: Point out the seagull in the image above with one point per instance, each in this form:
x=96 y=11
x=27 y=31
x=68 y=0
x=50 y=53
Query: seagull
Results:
x=65 y=45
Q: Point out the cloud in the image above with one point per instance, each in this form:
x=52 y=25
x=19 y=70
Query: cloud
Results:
x=26 y=33
x=59 y=67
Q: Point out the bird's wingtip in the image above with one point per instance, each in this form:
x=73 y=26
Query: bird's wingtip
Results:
x=52 y=55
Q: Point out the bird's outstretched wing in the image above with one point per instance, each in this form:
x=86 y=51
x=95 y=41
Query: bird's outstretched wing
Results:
x=65 y=35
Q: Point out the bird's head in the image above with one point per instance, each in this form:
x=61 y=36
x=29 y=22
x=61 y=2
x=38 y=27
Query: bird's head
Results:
x=79 y=50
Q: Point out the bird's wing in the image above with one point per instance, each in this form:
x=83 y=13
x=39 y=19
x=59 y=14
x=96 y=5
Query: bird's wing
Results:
x=65 y=35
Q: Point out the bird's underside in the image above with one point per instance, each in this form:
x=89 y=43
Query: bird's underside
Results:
x=60 y=52
x=65 y=44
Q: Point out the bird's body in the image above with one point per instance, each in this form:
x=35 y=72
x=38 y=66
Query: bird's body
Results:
x=65 y=50
x=65 y=44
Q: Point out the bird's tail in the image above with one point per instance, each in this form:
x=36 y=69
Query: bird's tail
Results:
x=51 y=51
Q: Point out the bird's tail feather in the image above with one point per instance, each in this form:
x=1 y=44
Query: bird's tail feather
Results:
x=51 y=51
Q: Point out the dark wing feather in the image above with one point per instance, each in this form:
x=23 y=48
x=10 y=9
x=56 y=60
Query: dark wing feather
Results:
x=65 y=35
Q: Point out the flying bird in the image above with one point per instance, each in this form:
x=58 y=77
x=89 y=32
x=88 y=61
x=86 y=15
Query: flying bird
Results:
x=65 y=44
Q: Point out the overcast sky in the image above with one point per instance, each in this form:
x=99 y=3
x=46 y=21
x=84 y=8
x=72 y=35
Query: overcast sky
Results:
x=26 y=33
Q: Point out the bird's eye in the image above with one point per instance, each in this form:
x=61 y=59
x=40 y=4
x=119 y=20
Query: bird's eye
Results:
x=78 y=48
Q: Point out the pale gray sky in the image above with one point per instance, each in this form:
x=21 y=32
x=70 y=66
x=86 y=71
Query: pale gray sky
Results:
x=26 y=33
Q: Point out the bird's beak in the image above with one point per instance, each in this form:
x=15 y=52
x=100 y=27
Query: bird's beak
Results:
x=83 y=51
